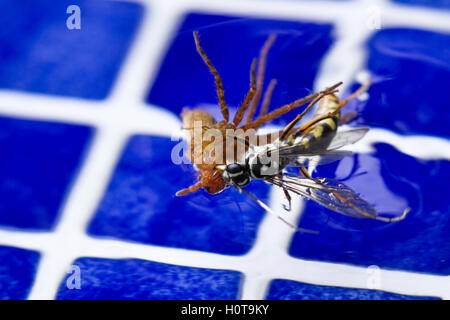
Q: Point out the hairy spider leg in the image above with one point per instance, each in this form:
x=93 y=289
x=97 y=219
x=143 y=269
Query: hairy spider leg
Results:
x=281 y=135
x=250 y=94
x=261 y=71
x=267 y=98
x=217 y=78
x=289 y=127
x=190 y=189
x=286 y=108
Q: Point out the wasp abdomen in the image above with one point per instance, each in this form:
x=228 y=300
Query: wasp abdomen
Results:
x=320 y=136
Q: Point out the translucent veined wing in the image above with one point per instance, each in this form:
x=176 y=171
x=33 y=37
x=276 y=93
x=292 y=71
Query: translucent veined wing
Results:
x=319 y=159
x=329 y=193
x=342 y=138
x=347 y=137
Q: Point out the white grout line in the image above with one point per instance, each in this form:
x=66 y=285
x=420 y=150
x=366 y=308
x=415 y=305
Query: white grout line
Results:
x=259 y=266
x=124 y=114
x=344 y=60
x=123 y=110
x=151 y=120
x=422 y=147
x=273 y=236
x=64 y=245
x=391 y=14
x=156 y=34
x=338 y=65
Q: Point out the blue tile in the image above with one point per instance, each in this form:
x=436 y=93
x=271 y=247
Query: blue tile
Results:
x=138 y=279
x=438 y=4
x=39 y=53
x=38 y=167
x=17 y=271
x=140 y=204
x=391 y=181
x=412 y=67
x=231 y=43
x=292 y=290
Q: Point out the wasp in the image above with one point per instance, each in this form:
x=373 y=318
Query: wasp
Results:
x=202 y=155
x=316 y=142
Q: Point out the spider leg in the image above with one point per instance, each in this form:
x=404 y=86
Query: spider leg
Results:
x=267 y=98
x=309 y=124
x=217 y=78
x=260 y=81
x=283 y=134
x=264 y=139
x=190 y=189
x=286 y=108
x=289 y=127
x=347 y=116
x=250 y=94
x=360 y=90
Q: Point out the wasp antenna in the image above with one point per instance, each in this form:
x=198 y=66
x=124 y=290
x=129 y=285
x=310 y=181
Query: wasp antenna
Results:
x=399 y=218
x=405 y=212
x=266 y=207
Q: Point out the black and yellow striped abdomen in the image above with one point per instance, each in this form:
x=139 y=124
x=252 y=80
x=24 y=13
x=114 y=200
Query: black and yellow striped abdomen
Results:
x=318 y=136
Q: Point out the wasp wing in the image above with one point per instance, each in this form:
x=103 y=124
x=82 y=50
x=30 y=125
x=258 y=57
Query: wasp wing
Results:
x=329 y=193
x=319 y=159
x=341 y=139
x=347 y=137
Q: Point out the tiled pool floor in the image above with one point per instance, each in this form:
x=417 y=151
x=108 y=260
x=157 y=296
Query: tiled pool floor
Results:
x=89 y=118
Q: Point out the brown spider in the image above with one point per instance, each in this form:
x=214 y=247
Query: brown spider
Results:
x=210 y=177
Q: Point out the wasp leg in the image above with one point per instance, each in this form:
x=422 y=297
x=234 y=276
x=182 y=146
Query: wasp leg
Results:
x=265 y=207
x=306 y=174
x=289 y=199
x=286 y=108
x=261 y=71
x=217 y=78
x=250 y=94
x=287 y=195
